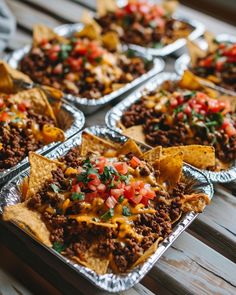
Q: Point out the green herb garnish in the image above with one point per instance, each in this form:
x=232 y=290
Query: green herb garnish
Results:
x=59 y=247
x=126 y=211
x=78 y=196
x=55 y=188
x=121 y=199
x=107 y=215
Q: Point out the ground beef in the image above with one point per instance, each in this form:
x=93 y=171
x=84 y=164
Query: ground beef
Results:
x=73 y=158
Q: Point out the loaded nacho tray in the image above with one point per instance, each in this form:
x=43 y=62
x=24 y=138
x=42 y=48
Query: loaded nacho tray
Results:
x=106 y=204
x=31 y=120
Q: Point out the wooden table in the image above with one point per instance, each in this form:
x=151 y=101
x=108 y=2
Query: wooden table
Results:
x=201 y=261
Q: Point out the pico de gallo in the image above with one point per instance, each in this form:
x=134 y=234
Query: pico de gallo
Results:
x=219 y=66
x=181 y=117
x=81 y=67
x=144 y=23
x=22 y=130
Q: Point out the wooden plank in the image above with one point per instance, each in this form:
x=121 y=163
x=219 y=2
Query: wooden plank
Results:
x=191 y=267
x=26 y=17
x=215 y=224
x=64 y=10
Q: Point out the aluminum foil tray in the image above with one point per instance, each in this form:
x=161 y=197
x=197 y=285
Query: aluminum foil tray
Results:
x=197 y=181
x=70 y=119
x=89 y=106
x=113 y=116
x=198 y=30
x=182 y=63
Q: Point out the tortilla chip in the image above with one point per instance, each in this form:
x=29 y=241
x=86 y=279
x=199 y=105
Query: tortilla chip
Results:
x=42 y=32
x=151 y=250
x=171 y=169
x=6 y=82
x=153 y=155
x=104 y=6
x=52 y=134
x=30 y=221
x=135 y=132
x=111 y=41
x=195 y=52
x=210 y=39
x=130 y=146
x=40 y=171
x=195 y=202
x=90 y=260
x=92 y=143
x=200 y=156
x=37 y=99
x=170 y=6
x=189 y=81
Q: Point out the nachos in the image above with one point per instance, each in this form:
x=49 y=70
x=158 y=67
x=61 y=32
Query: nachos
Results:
x=142 y=22
x=105 y=205
x=87 y=64
x=185 y=113
x=216 y=64
x=27 y=120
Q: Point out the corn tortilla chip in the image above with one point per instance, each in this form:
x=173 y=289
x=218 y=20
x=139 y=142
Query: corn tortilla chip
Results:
x=42 y=32
x=147 y=253
x=111 y=41
x=90 y=260
x=170 y=5
x=153 y=155
x=195 y=52
x=199 y=156
x=135 y=132
x=195 y=202
x=130 y=146
x=104 y=6
x=40 y=171
x=210 y=39
x=189 y=81
x=92 y=143
x=31 y=220
x=171 y=169
x=6 y=82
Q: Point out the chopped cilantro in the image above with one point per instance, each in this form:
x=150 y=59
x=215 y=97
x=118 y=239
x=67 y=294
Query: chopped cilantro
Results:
x=178 y=109
x=126 y=211
x=108 y=214
x=16 y=120
x=121 y=199
x=130 y=53
x=77 y=196
x=83 y=177
x=108 y=173
x=125 y=178
x=87 y=163
x=55 y=188
x=98 y=59
x=59 y=247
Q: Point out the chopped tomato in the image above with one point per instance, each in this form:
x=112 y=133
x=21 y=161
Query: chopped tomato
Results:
x=129 y=192
x=230 y=130
x=53 y=56
x=80 y=49
x=58 y=69
x=76 y=188
x=55 y=48
x=94 y=179
x=135 y=162
x=187 y=110
x=207 y=62
x=90 y=196
x=116 y=192
x=110 y=202
x=150 y=194
x=121 y=167
x=180 y=116
x=92 y=187
x=173 y=102
x=145 y=201
x=4 y=117
x=21 y=107
x=101 y=188
x=101 y=164
x=136 y=199
x=1 y=102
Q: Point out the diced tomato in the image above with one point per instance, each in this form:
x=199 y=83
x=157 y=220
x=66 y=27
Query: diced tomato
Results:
x=187 y=110
x=21 y=107
x=1 y=102
x=71 y=77
x=58 y=69
x=145 y=201
x=116 y=192
x=101 y=164
x=94 y=179
x=180 y=99
x=173 y=102
x=4 y=117
x=121 y=167
x=129 y=192
x=180 y=116
x=135 y=162
x=136 y=199
x=92 y=187
x=219 y=65
x=230 y=130
x=75 y=63
x=226 y=123
x=101 y=188
x=76 y=188
x=80 y=49
x=138 y=185
x=207 y=62
x=90 y=196
x=110 y=202
x=120 y=185
x=53 y=56
x=44 y=41
x=130 y=8
x=150 y=194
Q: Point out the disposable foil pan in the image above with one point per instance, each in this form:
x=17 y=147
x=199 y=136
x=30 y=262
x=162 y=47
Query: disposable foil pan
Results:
x=196 y=180
x=183 y=62
x=198 y=30
x=113 y=116
x=89 y=106
x=70 y=119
